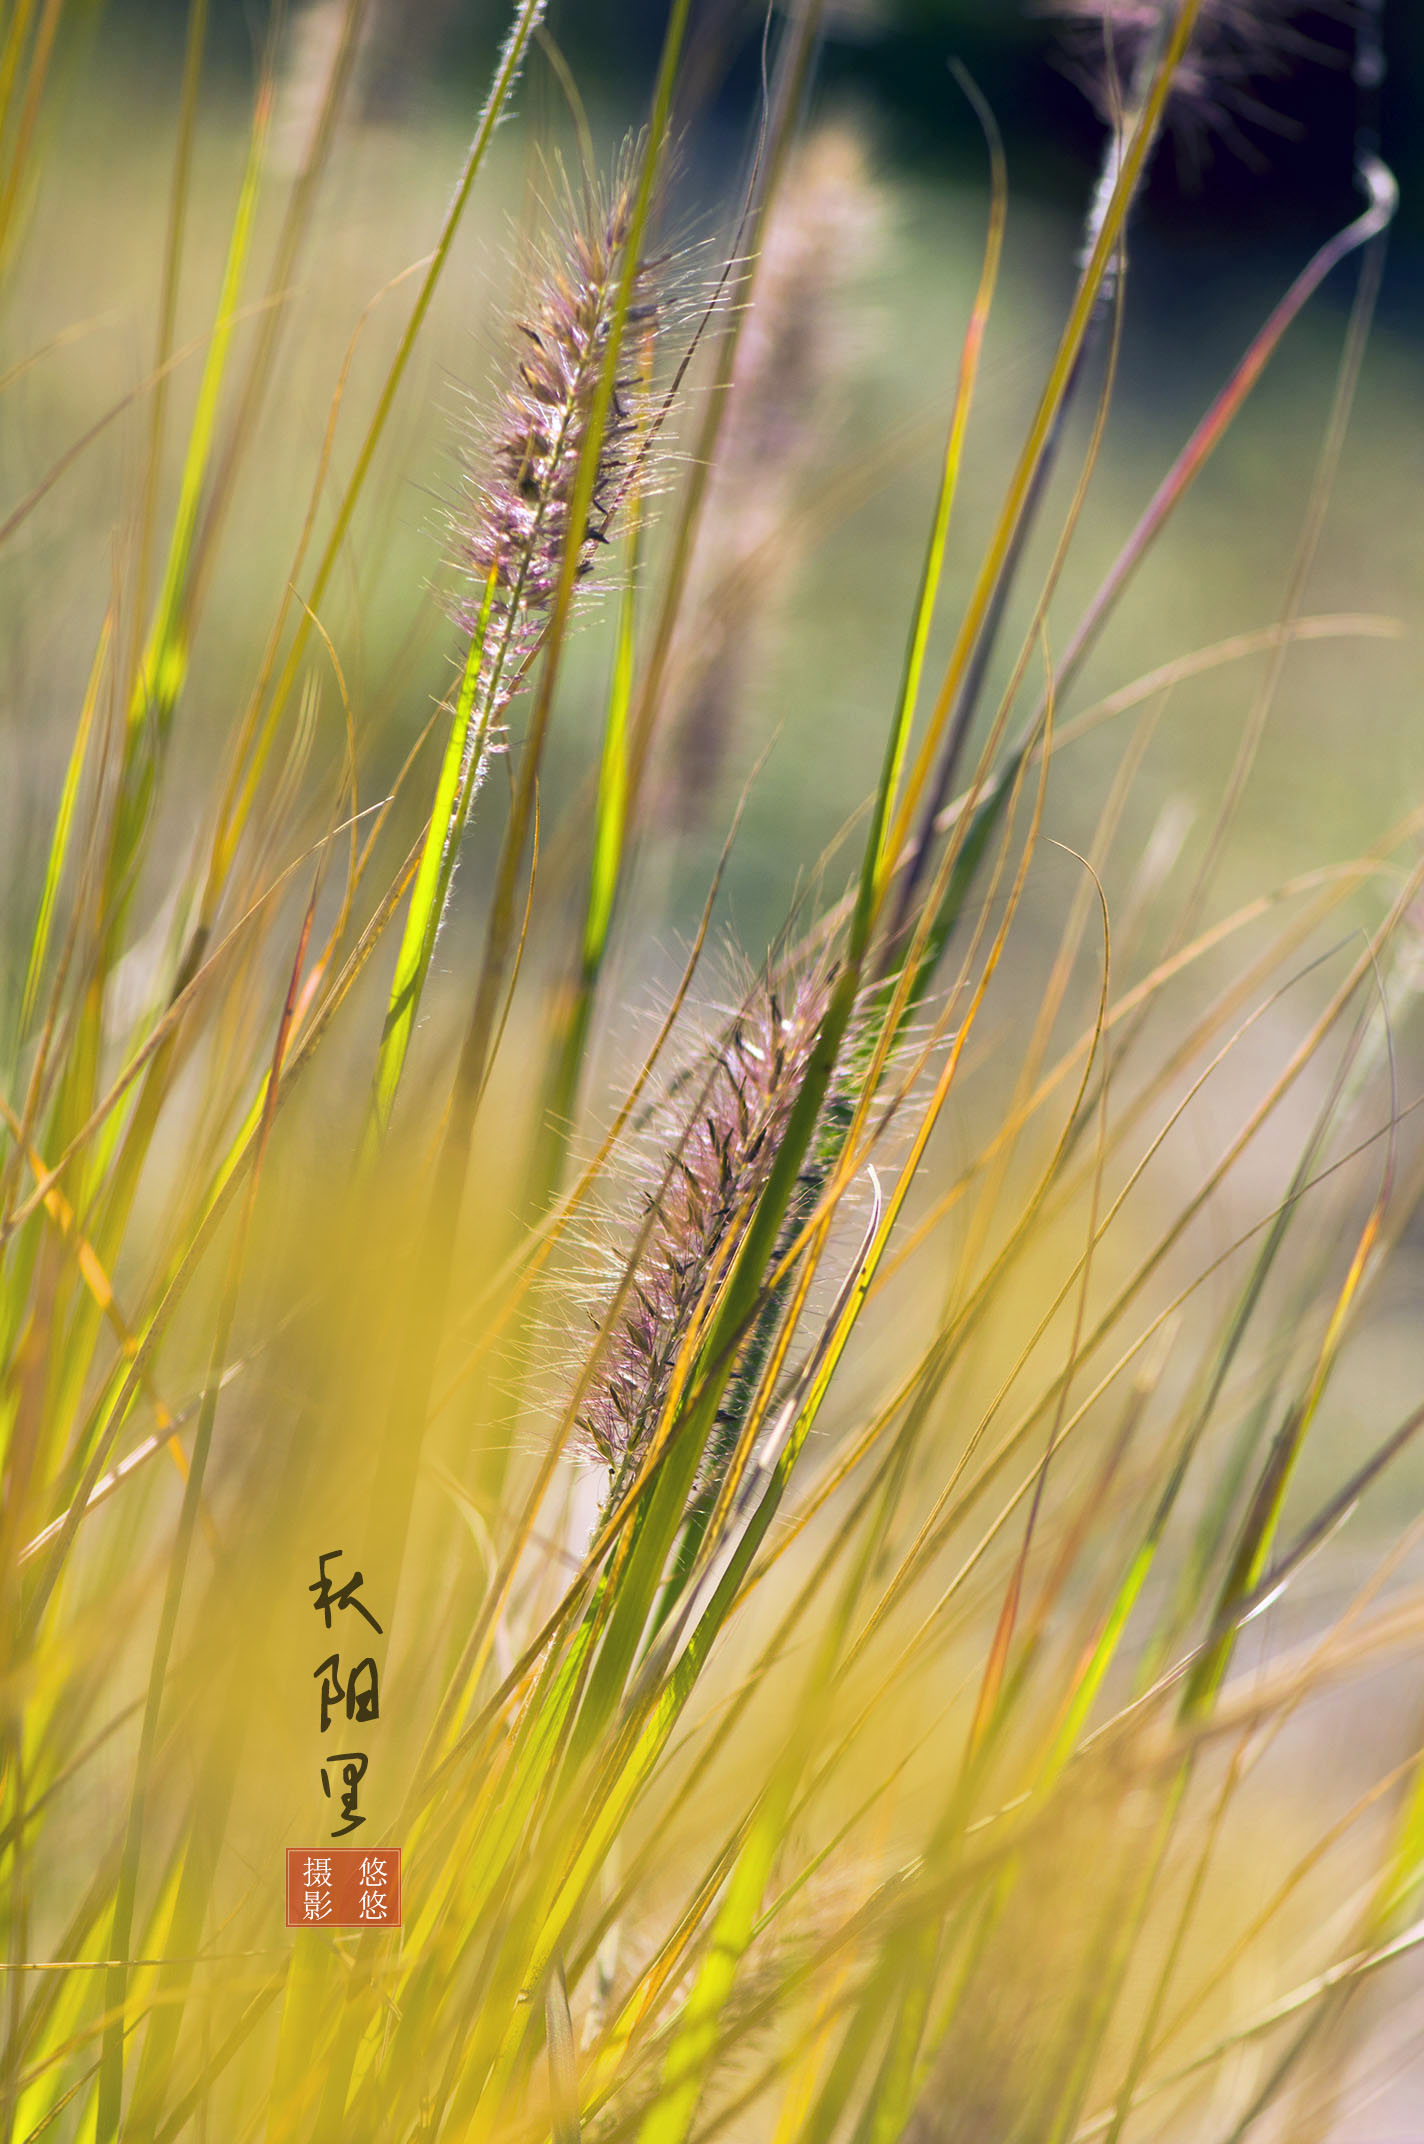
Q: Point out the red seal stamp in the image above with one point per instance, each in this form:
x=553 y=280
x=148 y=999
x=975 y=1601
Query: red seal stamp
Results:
x=343 y=1887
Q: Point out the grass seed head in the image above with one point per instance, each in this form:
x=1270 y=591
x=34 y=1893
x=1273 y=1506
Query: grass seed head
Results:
x=712 y=1174
x=513 y=527
x=1237 y=44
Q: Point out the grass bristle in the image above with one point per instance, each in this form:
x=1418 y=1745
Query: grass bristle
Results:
x=510 y=535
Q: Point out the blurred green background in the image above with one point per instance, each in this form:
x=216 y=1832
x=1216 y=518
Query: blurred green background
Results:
x=894 y=53
x=1216 y=244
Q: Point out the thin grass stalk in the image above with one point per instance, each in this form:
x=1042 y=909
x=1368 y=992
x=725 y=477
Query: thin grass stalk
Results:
x=932 y=570
x=64 y=828
x=464 y=748
x=1383 y=194
x=17 y=30
x=1132 y=164
x=272 y=315
x=795 y=67
x=260 y=724
x=1347 y=382
x=574 y=1005
x=41 y=52
x=666 y=1682
x=109 y=2102
x=757 y=1866
x=668 y=2122
x=179 y=189
x=476 y=1648
x=163 y=664
x=961 y=719
x=394 y=1473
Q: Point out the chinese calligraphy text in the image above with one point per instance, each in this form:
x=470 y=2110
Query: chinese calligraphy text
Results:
x=353 y=1697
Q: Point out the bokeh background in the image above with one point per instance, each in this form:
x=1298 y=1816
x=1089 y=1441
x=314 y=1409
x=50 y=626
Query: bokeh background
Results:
x=894 y=52
x=1254 y=180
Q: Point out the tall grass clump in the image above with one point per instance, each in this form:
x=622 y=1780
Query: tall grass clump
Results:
x=862 y=1525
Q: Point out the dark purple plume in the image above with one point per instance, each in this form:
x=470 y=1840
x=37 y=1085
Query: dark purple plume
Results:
x=710 y=1182
x=512 y=529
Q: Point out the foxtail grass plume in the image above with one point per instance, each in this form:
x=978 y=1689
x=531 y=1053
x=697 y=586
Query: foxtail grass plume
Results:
x=710 y=1180
x=584 y=354
x=511 y=528
x=1236 y=44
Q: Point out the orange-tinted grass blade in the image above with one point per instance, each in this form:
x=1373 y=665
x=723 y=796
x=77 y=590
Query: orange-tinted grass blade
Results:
x=526 y=21
x=932 y=570
x=1259 y=1526
x=996 y=1667
x=100 y=1288
x=1129 y=172
x=163 y=1028
x=1204 y=440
